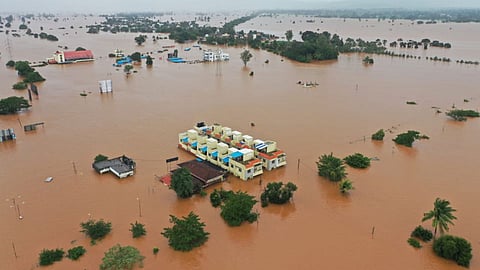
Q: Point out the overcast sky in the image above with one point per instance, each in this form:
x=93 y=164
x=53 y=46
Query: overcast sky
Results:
x=108 y=6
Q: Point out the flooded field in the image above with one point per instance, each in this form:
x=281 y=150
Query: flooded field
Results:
x=141 y=119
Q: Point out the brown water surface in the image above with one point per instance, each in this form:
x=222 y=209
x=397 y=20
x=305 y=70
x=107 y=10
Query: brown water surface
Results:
x=319 y=229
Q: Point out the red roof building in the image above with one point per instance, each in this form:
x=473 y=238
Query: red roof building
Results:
x=66 y=57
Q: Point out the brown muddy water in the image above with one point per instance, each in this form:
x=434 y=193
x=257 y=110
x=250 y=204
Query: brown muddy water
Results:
x=319 y=229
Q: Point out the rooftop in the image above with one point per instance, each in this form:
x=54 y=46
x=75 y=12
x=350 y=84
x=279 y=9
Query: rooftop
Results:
x=203 y=171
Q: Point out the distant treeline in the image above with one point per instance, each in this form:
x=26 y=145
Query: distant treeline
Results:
x=444 y=15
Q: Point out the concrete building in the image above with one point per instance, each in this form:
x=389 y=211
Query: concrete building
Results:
x=212 y=56
x=121 y=166
x=67 y=57
x=240 y=154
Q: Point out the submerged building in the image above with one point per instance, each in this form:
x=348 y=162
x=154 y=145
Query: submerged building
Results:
x=239 y=154
x=212 y=56
x=121 y=166
x=67 y=57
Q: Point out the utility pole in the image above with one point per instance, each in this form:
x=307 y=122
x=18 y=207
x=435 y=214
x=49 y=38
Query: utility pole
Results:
x=74 y=167
x=14 y=251
x=139 y=207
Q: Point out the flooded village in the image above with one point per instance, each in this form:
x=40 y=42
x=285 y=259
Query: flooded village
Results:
x=265 y=120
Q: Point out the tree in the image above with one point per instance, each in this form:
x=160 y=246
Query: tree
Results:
x=277 y=193
x=331 y=168
x=237 y=209
x=99 y=158
x=34 y=76
x=357 y=160
x=23 y=27
x=453 y=248
x=136 y=56
x=182 y=183
x=96 y=229
x=10 y=64
x=149 y=61
x=408 y=138
x=13 y=104
x=368 y=60
x=138 y=230
x=121 y=258
x=289 y=35
x=127 y=69
x=49 y=256
x=422 y=233
x=246 y=56
x=76 y=252
x=140 y=39
x=378 y=136
x=80 y=49
x=345 y=186
x=441 y=215
x=461 y=115
x=20 y=86
x=186 y=233
x=23 y=68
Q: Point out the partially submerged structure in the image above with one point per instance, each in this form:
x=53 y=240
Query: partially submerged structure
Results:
x=120 y=166
x=239 y=154
x=7 y=135
x=212 y=56
x=204 y=173
x=67 y=57
x=105 y=86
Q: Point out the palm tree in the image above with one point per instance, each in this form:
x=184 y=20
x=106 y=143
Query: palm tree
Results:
x=345 y=186
x=441 y=215
x=331 y=167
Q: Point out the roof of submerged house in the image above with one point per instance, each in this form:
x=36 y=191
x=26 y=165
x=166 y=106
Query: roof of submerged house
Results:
x=72 y=55
x=201 y=170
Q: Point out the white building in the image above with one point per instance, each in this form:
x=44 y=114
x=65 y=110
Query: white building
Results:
x=212 y=56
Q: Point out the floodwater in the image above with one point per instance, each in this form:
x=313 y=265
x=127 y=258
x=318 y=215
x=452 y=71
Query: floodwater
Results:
x=141 y=119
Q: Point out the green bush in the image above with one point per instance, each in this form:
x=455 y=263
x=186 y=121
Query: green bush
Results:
x=49 y=256
x=215 y=198
x=34 y=76
x=277 y=193
x=10 y=64
x=378 y=136
x=237 y=209
x=137 y=229
x=96 y=229
x=414 y=242
x=76 y=252
x=186 y=233
x=20 y=86
x=422 y=233
x=357 y=160
x=100 y=157
x=331 y=168
x=461 y=115
x=453 y=248
x=155 y=250
x=408 y=138
x=345 y=185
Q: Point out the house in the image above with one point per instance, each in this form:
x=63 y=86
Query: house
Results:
x=270 y=156
x=204 y=173
x=7 y=135
x=121 y=166
x=230 y=150
x=67 y=57
x=212 y=56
